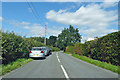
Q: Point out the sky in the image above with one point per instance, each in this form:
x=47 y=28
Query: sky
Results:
x=93 y=19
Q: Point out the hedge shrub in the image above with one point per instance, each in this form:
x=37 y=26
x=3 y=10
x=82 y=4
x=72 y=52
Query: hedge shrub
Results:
x=105 y=49
x=14 y=46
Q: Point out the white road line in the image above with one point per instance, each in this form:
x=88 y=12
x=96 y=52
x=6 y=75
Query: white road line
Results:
x=65 y=73
x=58 y=60
x=57 y=55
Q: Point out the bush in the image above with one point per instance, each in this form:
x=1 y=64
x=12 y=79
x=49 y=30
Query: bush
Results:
x=70 y=49
x=104 y=49
x=54 y=48
x=80 y=48
x=14 y=47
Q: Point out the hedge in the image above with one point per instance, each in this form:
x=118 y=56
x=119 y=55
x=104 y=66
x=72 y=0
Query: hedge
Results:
x=105 y=49
x=14 y=46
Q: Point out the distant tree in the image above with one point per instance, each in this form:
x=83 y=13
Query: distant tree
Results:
x=68 y=37
x=52 y=41
x=39 y=39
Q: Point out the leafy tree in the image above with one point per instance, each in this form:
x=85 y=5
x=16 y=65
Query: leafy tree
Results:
x=68 y=37
x=52 y=40
x=14 y=47
x=39 y=39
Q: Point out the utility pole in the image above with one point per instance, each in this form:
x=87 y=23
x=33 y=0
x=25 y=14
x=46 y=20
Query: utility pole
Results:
x=45 y=36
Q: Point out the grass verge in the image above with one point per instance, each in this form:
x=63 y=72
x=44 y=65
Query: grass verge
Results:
x=14 y=65
x=97 y=63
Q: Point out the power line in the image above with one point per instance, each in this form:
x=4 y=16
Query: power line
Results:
x=37 y=16
x=33 y=11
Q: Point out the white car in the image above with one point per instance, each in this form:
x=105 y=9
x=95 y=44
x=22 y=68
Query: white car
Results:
x=47 y=51
x=37 y=52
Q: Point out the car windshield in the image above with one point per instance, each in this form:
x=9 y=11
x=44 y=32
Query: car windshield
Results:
x=44 y=49
x=36 y=49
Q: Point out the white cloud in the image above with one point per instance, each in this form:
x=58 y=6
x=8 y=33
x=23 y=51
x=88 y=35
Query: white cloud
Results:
x=40 y=30
x=93 y=20
x=89 y=39
x=1 y=18
x=111 y=1
x=107 y=4
x=30 y=9
x=34 y=29
x=59 y=0
x=25 y=23
x=91 y=15
x=17 y=23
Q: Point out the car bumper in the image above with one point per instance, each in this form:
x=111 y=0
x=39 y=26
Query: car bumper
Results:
x=36 y=56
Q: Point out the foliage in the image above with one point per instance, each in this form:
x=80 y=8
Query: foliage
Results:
x=105 y=49
x=52 y=41
x=0 y=44
x=54 y=48
x=39 y=39
x=77 y=48
x=70 y=49
x=14 y=47
x=68 y=37
x=14 y=65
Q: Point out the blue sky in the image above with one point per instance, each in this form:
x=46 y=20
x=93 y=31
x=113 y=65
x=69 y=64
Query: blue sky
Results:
x=92 y=19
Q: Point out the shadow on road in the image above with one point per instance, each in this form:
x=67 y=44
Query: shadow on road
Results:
x=38 y=58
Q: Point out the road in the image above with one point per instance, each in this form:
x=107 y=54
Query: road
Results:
x=60 y=65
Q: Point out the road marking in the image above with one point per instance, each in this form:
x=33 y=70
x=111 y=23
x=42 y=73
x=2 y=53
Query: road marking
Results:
x=58 y=60
x=65 y=73
x=57 y=55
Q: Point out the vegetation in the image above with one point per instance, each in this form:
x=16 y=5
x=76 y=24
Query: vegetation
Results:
x=68 y=37
x=52 y=41
x=15 y=50
x=78 y=48
x=54 y=48
x=97 y=63
x=14 y=47
x=39 y=39
x=0 y=45
x=105 y=49
x=14 y=65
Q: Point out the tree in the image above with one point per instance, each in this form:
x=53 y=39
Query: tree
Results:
x=68 y=37
x=52 y=40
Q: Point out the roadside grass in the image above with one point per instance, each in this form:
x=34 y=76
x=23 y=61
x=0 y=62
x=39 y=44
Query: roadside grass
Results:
x=97 y=63
x=0 y=69
x=67 y=52
x=14 y=65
